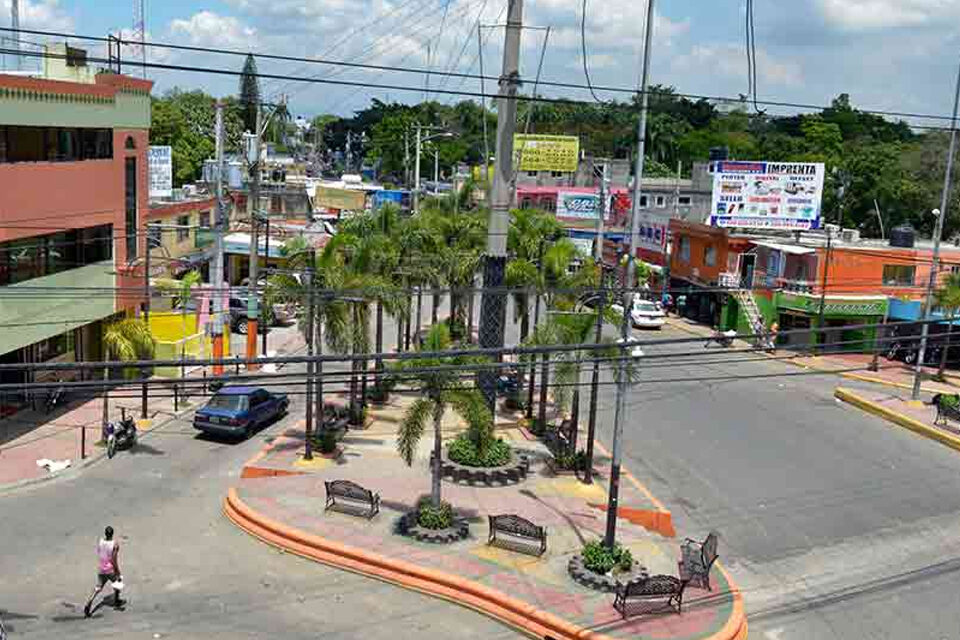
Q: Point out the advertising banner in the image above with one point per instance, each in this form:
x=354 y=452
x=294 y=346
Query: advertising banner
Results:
x=399 y=198
x=653 y=233
x=334 y=198
x=767 y=195
x=584 y=206
x=160 y=168
x=546 y=153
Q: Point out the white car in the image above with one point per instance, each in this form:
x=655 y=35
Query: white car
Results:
x=647 y=315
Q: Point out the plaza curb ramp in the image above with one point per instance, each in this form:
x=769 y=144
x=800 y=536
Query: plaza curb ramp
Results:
x=920 y=428
x=483 y=599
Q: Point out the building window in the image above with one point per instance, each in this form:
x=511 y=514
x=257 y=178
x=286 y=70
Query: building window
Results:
x=556 y=174
x=204 y=220
x=526 y=203
x=54 y=144
x=683 y=248
x=661 y=202
x=684 y=201
x=548 y=204
x=55 y=347
x=130 y=143
x=644 y=202
x=154 y=235
x=899 y=275
x=38 y=256
x=710 y=256
x=531 y=174
x=130 y=205
x=183 y=228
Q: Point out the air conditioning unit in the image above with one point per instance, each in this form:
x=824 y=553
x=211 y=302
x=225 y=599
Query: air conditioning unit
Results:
x=850 y=235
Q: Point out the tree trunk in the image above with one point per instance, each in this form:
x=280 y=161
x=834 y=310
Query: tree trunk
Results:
x=470 y=303
x=437 y=451
x=400 y=324
x=416 y=333
x=379 y=340
x=406 y=346
x=544 y=380
x=106 y=394
x=946 y=348
x=436 y=308
x=319 y=371
x=354 y=405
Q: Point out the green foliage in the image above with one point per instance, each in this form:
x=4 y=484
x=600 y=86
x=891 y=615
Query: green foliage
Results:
x=431 y=517
x=464 y=450
x=948 y=401
x=326 y=441
x=603 y=560
x=571 y=461
x=249 y=94
x=128 y=339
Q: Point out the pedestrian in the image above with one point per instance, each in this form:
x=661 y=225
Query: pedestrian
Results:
x=108 y=570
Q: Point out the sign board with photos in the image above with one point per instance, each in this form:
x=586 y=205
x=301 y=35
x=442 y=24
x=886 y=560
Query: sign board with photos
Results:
x=767 y=195
x=653 y=233
x=160 y=171
x=536 y=152
x=585 y=206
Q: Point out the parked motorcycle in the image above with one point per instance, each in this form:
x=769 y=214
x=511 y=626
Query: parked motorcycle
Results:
x=722 y=338
x=55 y=397
x=122 y=435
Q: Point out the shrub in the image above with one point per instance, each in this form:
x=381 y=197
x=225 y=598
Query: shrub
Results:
x=571 y=462
x=328 y=441
x=465 y=451
x=949 y=401
x=431 y=517
x=600 y=559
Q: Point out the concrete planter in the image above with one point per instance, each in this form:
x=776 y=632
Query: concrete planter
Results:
x=407 y=526
x=514 y=472
x=606 y=583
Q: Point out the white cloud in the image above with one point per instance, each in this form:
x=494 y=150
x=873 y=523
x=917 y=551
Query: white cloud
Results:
x=730 y=61
x=863 y=15
x=207 y=28
x=40 y=15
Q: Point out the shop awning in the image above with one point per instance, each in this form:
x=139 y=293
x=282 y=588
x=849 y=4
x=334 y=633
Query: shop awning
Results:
x=791 y=249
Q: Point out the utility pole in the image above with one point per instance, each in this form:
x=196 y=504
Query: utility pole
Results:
x=266 y=266
x=595 y=383
x=216 y=275
x=416 y=173
x=935 y=267
x=15 y=25
x=601 y=215
x=493 y=306
x=253 y=207
x=308 y=430
x=614 y=490
x=406 y=157
x=823 y=287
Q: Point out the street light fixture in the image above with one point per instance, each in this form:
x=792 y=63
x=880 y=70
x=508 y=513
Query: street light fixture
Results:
x=416 y=168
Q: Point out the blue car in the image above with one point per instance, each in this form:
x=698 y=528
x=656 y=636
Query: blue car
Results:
x=239 y=411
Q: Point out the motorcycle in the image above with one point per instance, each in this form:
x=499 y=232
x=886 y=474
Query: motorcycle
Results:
x=120 y=435
x=722 y=338
x=54 y=397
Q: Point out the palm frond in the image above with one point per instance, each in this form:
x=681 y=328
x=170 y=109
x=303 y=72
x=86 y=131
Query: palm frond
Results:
x=470 y=405
x=412 y=427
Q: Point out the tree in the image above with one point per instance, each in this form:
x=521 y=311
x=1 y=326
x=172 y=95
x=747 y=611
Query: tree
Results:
x=441 y=388
x=948 y=299
x=249 y=94
x=124 y=341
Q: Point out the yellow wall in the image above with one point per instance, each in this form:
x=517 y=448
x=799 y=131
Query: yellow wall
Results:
x=177 y=243
x=173 y=336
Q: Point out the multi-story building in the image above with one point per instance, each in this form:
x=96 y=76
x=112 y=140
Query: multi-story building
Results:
x=181 y=234
x=73 y=171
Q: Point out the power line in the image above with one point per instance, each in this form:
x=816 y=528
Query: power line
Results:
x=583 y=48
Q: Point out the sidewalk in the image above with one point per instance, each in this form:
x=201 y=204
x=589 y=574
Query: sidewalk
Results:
x=280 y=498
x=897 y=407
x=29 y=435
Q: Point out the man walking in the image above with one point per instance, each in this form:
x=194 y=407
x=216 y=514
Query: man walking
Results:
x=108 y=570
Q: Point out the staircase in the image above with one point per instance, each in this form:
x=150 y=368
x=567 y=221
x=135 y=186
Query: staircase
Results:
x=749 y=305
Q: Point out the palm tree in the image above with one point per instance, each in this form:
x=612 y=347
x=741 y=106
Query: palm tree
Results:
x=529 y=232
x=124 y=341
x=185 y=286
x=948 y=299
x=440 y=388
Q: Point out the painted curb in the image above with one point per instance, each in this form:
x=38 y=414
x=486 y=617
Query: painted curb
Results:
x=480 y=598
x=898 y=418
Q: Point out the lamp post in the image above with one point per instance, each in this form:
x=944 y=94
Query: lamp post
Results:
x=416 y=166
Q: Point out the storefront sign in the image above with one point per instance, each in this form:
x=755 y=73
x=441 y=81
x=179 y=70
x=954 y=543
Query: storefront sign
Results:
x=578 y=205
x=546 y=153
x=160 y=169
x=653 y=233
x=343 y=199
x=811 y=305
x=767 y=195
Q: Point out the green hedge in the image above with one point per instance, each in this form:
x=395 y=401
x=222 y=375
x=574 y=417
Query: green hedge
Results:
x=600 y=559
x=430 y=517
x=464 y=451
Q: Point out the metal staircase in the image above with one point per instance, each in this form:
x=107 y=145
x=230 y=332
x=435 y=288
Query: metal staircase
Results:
x=749 y=305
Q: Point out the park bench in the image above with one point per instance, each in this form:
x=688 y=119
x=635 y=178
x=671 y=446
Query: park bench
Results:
x=514 y=525
x=697 y=558
x=661 y=587
x=352 y=492
x=945 y=410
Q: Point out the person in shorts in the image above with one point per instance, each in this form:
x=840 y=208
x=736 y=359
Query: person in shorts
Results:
x=108 y=570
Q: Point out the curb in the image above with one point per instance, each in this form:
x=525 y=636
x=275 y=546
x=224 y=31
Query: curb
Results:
x=897 y=418
x=481 y=598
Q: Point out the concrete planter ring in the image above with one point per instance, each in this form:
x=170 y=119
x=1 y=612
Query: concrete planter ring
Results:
x=514 y=472
x=599 y=582
x=407 y=526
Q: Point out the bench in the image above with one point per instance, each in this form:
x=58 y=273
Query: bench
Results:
x=945 y=411
x=352 y=492
x=514 y=525
x=697 y=558
x=661 y=587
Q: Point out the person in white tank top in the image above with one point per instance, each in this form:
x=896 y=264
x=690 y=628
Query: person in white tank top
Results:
x=108 y=570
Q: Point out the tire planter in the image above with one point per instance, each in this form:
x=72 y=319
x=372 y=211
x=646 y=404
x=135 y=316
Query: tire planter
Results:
x=606 y=583
x=407 y=526
x=514 y=472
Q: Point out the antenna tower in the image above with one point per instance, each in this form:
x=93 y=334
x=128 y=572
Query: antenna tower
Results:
x=139 y=35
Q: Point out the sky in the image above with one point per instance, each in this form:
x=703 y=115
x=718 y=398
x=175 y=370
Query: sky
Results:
x=898 y=55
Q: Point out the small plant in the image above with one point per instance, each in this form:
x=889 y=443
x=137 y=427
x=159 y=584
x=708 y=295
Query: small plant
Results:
x=328 y=441
x=431 y=517
x=603 y=560
x=464 y=451
x=949 y=401
x=570 y=461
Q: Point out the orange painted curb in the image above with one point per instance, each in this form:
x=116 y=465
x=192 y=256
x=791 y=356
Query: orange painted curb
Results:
x=481 y=598
x=265 y=472
x=657 y=521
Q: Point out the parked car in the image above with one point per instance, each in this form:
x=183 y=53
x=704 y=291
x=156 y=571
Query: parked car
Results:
x=239 y=411
x=647 y=315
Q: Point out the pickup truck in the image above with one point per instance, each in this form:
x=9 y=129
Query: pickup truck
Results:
x=239 y=411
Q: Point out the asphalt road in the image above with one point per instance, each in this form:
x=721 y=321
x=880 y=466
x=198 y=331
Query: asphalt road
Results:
x=835 y=523
x=189 y=572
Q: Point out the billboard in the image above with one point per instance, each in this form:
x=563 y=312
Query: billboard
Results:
x=160 y=166
x=399 y=198
x=767 y=195
x=584 y=206
x=335 y=198
x=653 y=233
x=546 y=153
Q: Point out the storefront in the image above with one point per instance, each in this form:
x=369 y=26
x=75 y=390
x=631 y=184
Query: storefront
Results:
x=841 y=317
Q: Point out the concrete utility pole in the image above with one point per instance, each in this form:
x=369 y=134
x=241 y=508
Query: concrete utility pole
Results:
x=253 y=210
x=601 y=215
x=935 y=267
x=493 y=307
x=614 y=492
x=216 y=274
x=416 y=173
x=15 y=25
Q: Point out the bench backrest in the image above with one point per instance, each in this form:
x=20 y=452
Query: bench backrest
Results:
x=516 y=525
x=652 y=586
x=709 y=549
x=348 y=489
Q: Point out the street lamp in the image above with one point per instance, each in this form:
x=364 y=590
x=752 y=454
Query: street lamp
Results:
x=416 y=168
x=931 y=283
